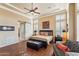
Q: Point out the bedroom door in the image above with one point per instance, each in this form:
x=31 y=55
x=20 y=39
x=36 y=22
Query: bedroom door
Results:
x=21 y=35
x=21 y=31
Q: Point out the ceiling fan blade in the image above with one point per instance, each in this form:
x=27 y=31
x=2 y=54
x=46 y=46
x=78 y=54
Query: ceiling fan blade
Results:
x=27 y=9
x=36 y=12
x=35 y=8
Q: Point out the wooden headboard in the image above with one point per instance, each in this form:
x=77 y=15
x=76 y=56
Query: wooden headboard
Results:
x=46 y=32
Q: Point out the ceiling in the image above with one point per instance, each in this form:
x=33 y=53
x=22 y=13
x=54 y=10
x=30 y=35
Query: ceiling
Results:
x=43 y=8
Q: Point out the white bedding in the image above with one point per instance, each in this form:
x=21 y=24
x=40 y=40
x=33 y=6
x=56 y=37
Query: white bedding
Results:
x=46 y=38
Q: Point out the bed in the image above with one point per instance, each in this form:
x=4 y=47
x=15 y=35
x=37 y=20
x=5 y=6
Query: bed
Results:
x=40 y=41
x=44 y=35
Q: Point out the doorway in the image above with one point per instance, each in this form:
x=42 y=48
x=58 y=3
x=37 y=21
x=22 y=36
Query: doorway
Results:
x=21 y=31
x=21 y=36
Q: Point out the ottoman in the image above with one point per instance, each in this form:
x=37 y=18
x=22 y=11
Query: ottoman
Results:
x=34 y=45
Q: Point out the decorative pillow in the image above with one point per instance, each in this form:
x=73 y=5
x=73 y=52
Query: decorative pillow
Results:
x=75 y=47
x=63 y=47
x=69 y=43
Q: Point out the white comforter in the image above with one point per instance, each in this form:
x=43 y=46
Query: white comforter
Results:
x=46 y=38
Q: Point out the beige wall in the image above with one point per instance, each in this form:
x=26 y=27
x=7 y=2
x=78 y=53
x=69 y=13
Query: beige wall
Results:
x=72 y=21
x=51 y=20
x=9 y=19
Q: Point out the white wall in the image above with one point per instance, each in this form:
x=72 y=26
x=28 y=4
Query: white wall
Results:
x=9 y=19
x=8 y=37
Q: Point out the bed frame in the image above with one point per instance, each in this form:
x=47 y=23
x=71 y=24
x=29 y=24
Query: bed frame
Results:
x=46 y=32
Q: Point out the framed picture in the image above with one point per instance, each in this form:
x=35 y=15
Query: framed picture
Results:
x=45 y=25
x=7 y=28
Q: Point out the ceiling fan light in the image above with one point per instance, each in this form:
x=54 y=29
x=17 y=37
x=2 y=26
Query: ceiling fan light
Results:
x=32 y=12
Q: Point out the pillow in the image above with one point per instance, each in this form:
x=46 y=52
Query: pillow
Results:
x=69 y=43
x=63 y=47
x=75 y=47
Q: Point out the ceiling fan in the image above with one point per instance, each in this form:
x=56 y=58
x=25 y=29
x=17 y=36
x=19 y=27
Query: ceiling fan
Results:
x=32 y=10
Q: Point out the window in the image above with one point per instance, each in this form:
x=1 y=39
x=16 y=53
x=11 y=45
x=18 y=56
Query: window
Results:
x=60 y=24
x=29 y=28
x=36 y=26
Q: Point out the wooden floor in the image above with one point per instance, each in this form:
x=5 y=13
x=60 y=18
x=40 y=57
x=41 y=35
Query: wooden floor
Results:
x=20 y=49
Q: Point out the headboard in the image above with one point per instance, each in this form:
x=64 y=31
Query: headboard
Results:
x=46 y=32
